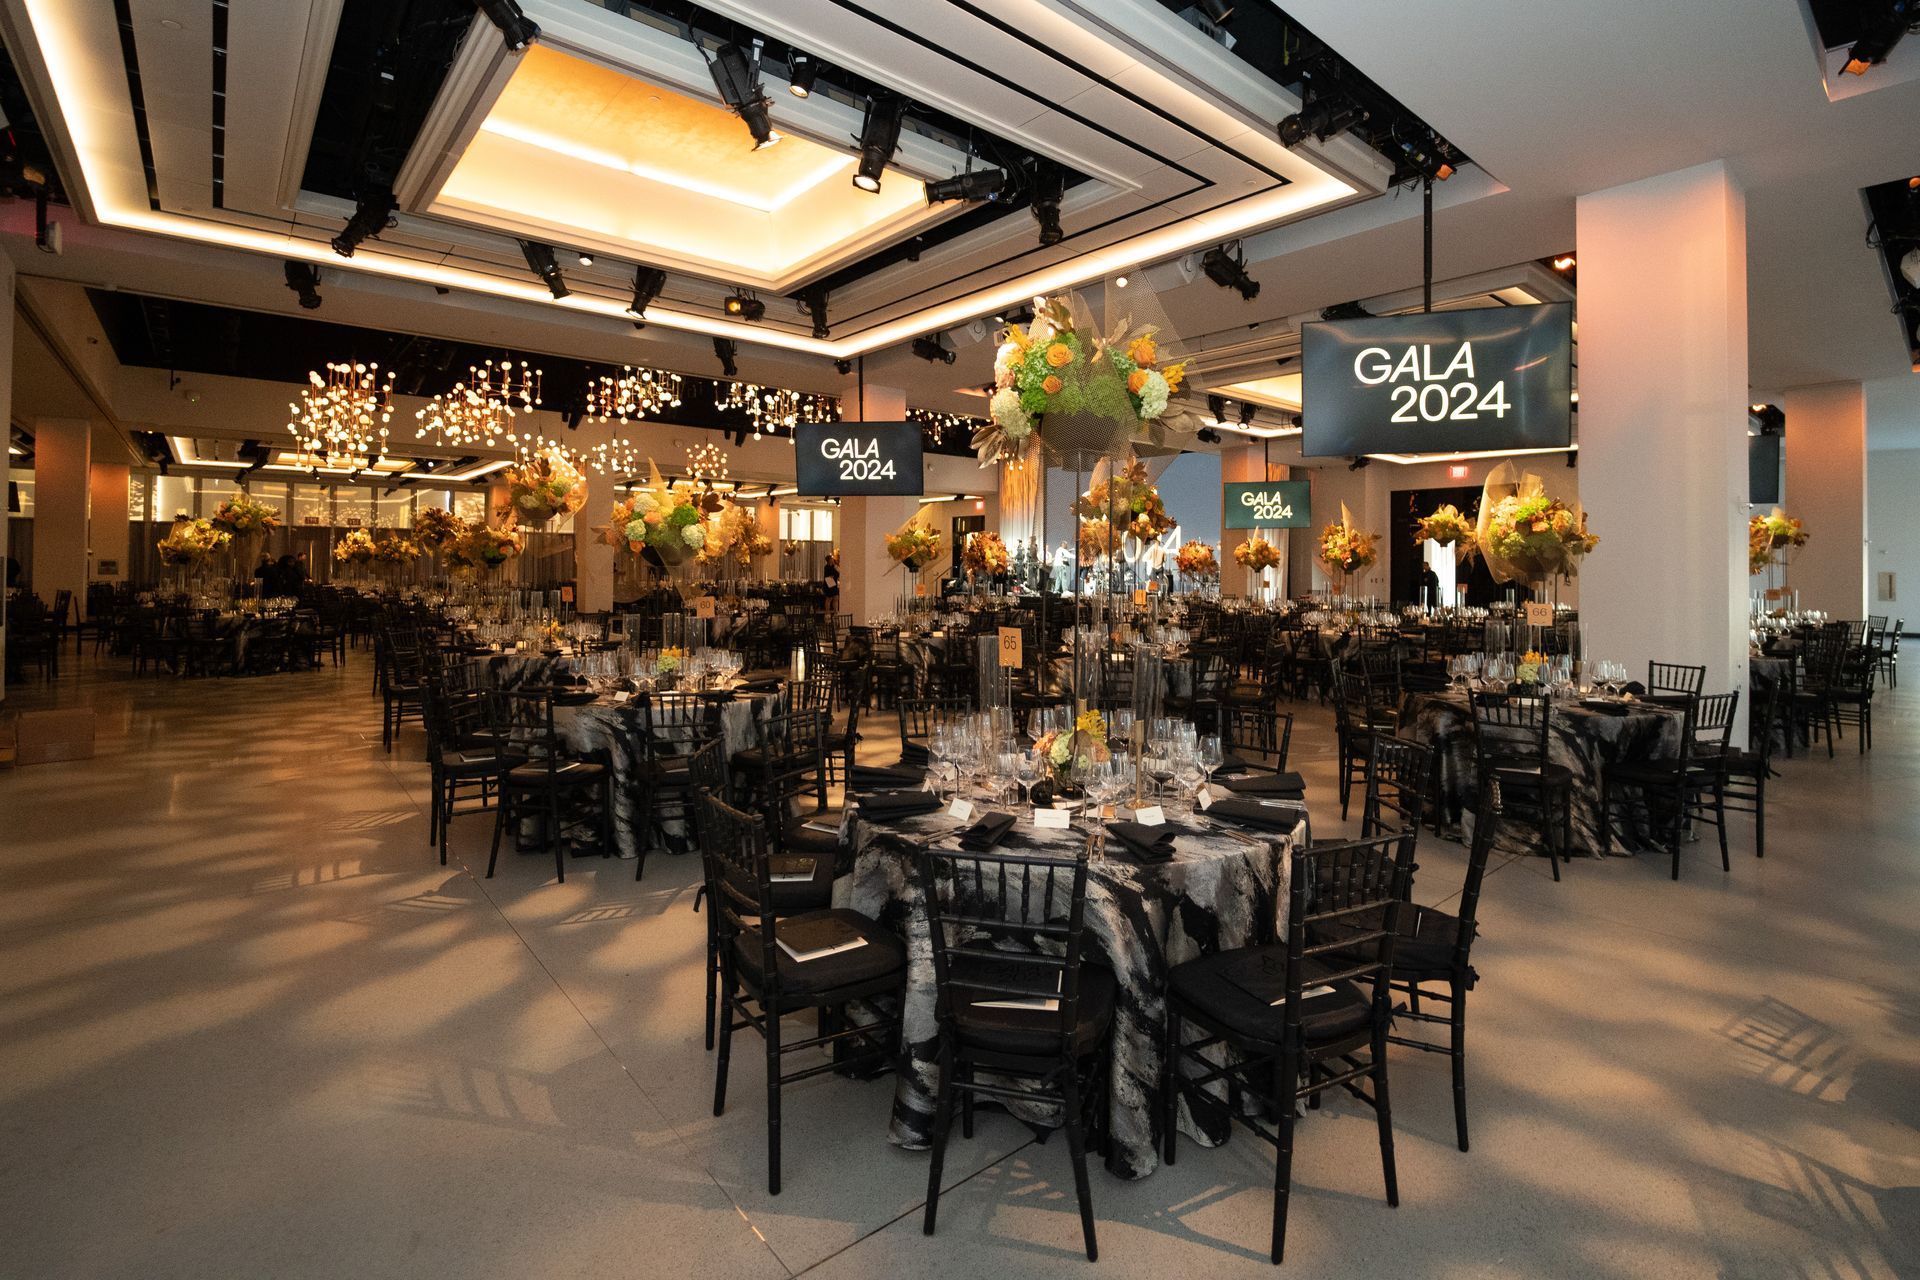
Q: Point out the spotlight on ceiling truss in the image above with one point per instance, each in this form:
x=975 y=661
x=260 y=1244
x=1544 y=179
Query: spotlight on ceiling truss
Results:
x=879 y=137
x=975 y=185
x=372 y=214
x=647 y=284
x=1049 y=189
x=726 y=350
x=1320 y=117
x=742 y=305
x=1229 y=270
x=814 y=303
x=540 y=261
x=802 y=70
x=1886 y=23
x=516 y=28
x=737 y=77
x=933 y=350
x=304 y=280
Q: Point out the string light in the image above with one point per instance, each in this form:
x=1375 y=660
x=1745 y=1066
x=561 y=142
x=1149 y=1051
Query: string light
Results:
x=481 y=410
x=635 y=394
x=343 y=414
x=774 y=410
x=707 y=463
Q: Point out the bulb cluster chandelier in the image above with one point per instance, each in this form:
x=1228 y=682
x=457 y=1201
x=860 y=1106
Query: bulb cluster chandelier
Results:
x=634 y=395
x=707 y=464
x=481 y=410
x=775 y=410
x=343 y=414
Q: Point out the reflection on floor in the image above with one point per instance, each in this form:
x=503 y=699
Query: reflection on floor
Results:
x=249 y=1027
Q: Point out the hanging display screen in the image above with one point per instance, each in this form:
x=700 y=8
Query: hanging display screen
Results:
x=1490 y=378
x=839 y=459
x=1276 y=504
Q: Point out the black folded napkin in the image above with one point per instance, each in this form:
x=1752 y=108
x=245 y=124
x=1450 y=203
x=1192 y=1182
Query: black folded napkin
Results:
x=886 y=806
x=989 y=831
x=766 y=684
x=1146 y=844
x=914 y=754
x=1251 y=813
x=1230 y=765
x=1268 y=784
x=871 y=777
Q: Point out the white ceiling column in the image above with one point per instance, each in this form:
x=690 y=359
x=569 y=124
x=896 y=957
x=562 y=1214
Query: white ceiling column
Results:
x=1827 y=489
x=1663 y=414
x=592 y=558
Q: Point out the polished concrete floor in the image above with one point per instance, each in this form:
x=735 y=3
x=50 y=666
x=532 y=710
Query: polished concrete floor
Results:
x=249 y=1027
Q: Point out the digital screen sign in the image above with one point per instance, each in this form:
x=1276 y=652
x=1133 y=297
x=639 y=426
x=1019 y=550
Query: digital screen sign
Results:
x=1276 y=504
x=840 y=459
x=1488 y=378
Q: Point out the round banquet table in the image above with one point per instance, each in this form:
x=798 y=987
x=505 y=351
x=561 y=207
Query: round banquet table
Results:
x=1583 y=740
x=1144 y=919
x=521 y=668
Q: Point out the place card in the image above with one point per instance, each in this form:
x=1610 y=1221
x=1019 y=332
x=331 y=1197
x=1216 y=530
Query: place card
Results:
x=1206 y=799
x=1151 y=816
x=621 y=696
x=960 y=809
x=1053 y=819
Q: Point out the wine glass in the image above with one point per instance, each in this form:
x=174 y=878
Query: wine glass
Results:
x=1026 y=772
x=1004 y=773
x=1211 y=755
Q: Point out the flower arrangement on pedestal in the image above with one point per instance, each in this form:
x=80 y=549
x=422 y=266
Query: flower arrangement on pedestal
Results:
x=393 y=548
x=1538 y=535
x=985 y=555
x=1446 y=527
x=1060 y=364
x=1197 y=560
x=660 y=519
x=354 y=547
x=759 y=545
x=792 y=547
x=434 y=527
x=191 y=542
x=483 y=546
x=915 y=547
x=1067 y=751
x=1345 y=549
x=243 y=517
x=1256 y=553
x=1128 y=500
x=544 y=486
x=1773 y=532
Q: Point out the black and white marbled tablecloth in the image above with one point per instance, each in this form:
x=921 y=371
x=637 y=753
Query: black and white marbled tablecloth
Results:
x=1143 y=919
x=515 y=670
x=615 y=731
x=1585 y=741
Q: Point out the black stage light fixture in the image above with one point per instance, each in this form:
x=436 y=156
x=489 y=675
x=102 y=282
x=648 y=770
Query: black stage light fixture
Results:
x=933 y=350
x=647 y=284
x=879 y=136
x=802 y=70
x=1425 y=158
x=372 y=214
x=738 y=79
x=1321 y=118
x=1345 y=311
x=814 y=303
x=1883 y=29
x=1216 y=11
x=541 y=262
x=1049 y=189
x=726 y=350
x=1207 y=435
x=843 y=367
x=1229 y=271
x=585 y=258
x=974 y=185
x=1246 y=414
x=744 y=306
x=516 y=28
x=1217 y=408
x=1359 y=462
x=304 y=280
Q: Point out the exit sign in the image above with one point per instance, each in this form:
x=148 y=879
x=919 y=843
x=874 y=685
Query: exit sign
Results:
x=1458 y=471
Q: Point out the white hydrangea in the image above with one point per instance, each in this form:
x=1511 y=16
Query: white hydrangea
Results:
x=1003 y=360
x=694 y=536
x=528 y=501
x=644 y=502
x=636 y=531
x=1008 y=413
x=1153 y=396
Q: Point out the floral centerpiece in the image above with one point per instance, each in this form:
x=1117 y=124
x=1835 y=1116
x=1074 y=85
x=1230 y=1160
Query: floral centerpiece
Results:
x=659 y=519
x=793 y=546
x=1446 y=527
x=1345 y=549
x=669 y=660
x=1527 y=671
x=729 y=532
x=434 y=527
x=190 y=542
x=1256 y=553
x=1060 y=364
x=395 y=548
x=915 y=547
x=483 y=546
x=551 y=633
x=1770 y=533
x=244 y=517
x=985 y=555
x=1066 y=751
x=355 y=547
x=759 y=545
x=1538 y=535
x=544 y=486
x=1128 y=500
x=1197 y=560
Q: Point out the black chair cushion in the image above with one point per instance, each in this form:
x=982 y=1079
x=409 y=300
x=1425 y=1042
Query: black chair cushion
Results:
x=571 y=773
x=797 y=837
x=478 y=762
x=1423 y=950
x=1206 y=986
x=1036 y=1032
x=1652 y=773
x=872 y=967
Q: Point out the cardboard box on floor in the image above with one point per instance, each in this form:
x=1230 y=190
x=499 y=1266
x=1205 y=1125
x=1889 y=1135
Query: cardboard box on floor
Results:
x=43 y=737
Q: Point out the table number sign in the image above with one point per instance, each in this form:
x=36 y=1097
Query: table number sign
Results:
x=1538 y=614
x=1010 y=647
x=703 y=607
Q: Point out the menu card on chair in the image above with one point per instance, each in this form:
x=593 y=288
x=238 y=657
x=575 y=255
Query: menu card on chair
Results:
x=806 y=940
x=786 y=870
x=1264 y=977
